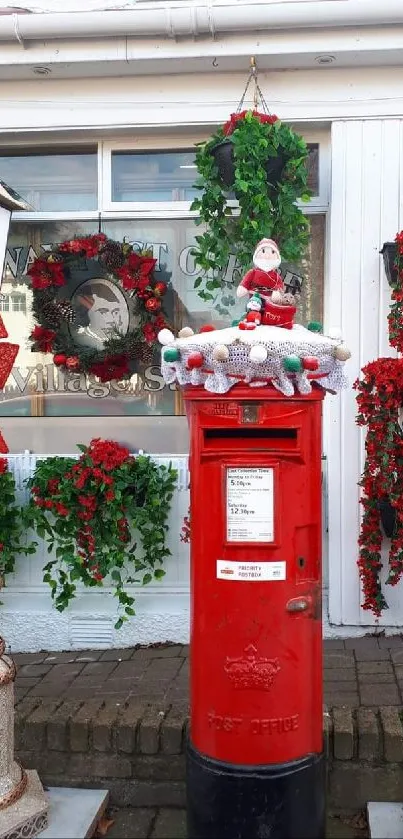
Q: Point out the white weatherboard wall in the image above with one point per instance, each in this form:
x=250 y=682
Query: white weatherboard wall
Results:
x=366 y=211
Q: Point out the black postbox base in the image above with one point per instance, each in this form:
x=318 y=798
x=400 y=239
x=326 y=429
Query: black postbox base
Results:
x=283 y=801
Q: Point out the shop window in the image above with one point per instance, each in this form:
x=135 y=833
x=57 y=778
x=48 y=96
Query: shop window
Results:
x=134 y=179
x=153 y=176
x=36 y=386
x=53 y=181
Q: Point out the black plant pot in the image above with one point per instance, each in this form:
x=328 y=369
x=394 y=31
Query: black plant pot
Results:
x=389 y=253
x=388 y=517
x=224 y=157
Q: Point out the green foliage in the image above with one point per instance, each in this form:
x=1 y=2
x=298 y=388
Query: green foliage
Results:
x=265 y=210
x=13 y=539
x=105 y=519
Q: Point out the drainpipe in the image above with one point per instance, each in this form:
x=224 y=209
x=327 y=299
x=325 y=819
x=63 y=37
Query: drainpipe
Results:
x=174 y=20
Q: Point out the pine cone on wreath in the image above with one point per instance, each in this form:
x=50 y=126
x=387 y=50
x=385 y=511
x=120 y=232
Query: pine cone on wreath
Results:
x=112 y=256
x=57 y=311
x=140 y=351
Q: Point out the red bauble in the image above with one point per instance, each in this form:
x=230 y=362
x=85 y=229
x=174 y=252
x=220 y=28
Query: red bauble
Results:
x=152 y=304
x=195 y=359
x=59 y=359
x=72 y=362
x=207 y=328
x=160 y=289
x=310 y=362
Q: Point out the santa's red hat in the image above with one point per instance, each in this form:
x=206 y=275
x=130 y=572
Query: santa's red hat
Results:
x=269 y=243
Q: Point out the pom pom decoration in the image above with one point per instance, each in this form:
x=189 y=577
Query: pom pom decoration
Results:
x=310 y=362
x=165 y=336
x=258 y=354
x=220 y=353
x=315 y=326
x=292 y=364
x=207 y=328
x=186 y=332
x=59 y=359
x=342 y=353
x=195 y=359
x=171 y=354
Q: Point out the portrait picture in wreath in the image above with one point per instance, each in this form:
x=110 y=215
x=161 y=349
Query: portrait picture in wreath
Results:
x=98 y=306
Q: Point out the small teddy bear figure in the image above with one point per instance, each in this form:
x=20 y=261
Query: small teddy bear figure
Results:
x=282 y=298
x=253 y=316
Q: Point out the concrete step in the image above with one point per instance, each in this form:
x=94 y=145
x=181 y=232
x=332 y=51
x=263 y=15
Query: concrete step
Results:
x=74 y=813
x=385 y=820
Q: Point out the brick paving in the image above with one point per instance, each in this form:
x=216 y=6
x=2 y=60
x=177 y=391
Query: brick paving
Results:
x=170 y=823
x=366 y=672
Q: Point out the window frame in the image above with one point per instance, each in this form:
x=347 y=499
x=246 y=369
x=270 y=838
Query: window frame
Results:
x=108 y=209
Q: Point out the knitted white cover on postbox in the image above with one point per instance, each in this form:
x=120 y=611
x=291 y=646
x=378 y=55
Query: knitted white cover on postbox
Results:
x=220 y=376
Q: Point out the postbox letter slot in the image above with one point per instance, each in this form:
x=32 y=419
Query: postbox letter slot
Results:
x=251 y=433
x=241 y=438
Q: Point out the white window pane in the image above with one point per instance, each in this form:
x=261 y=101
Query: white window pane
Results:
x=153 y=176
x=54 y=182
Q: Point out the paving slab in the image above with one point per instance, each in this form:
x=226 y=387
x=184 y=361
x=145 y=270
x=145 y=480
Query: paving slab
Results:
x=385 y=820
x=74 y=813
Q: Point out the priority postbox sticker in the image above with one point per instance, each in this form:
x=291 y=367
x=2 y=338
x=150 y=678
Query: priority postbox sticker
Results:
x=250 y=571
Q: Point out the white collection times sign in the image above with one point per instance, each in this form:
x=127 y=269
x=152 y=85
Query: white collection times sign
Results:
x=250 y=505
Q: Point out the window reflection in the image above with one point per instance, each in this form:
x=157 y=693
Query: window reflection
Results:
x=36 y=387
x=153 y=176
x=53 y=182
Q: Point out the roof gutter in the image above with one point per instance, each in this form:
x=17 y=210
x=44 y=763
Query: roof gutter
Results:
x=213 y=17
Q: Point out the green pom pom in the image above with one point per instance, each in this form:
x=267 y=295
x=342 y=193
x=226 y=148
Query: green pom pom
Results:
x=171 y=354
x=315 y=326
x=236 y=322
x=292 y=364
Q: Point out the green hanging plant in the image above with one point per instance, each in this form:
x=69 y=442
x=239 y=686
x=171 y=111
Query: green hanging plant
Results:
x=13 y=540
x=268 y=161
x=92 y=510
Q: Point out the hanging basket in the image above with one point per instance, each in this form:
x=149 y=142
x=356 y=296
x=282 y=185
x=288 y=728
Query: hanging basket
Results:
x=389 y=253
x=388 y=517
x=223 y=154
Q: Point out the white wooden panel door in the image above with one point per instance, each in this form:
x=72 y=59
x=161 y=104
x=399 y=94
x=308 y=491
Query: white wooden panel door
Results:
x=366 y=211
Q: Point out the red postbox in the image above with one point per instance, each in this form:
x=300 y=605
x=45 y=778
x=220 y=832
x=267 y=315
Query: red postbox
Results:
x=255 y=751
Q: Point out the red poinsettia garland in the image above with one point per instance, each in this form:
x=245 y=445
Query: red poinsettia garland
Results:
x=133 y=271
x=379 y=399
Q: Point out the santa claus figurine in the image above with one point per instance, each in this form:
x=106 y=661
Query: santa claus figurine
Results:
x=278 y=308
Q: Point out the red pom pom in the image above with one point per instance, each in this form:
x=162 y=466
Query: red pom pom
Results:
x=59 y=359
x=195 y=359
x=207 y=328
x=310 y=362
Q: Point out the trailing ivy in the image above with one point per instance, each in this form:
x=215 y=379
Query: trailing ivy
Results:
x=265 y=209
x=13 y=540
x=92 y=510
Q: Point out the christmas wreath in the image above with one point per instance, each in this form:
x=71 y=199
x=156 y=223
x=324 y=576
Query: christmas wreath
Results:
x=97 y=306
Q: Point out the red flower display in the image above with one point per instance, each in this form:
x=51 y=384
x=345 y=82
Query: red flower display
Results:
x=115 y=367
x=93 y=507
x=43 y=338
x=45 y=273
x=132 y=271
x=232 y=123
x=379 y=397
